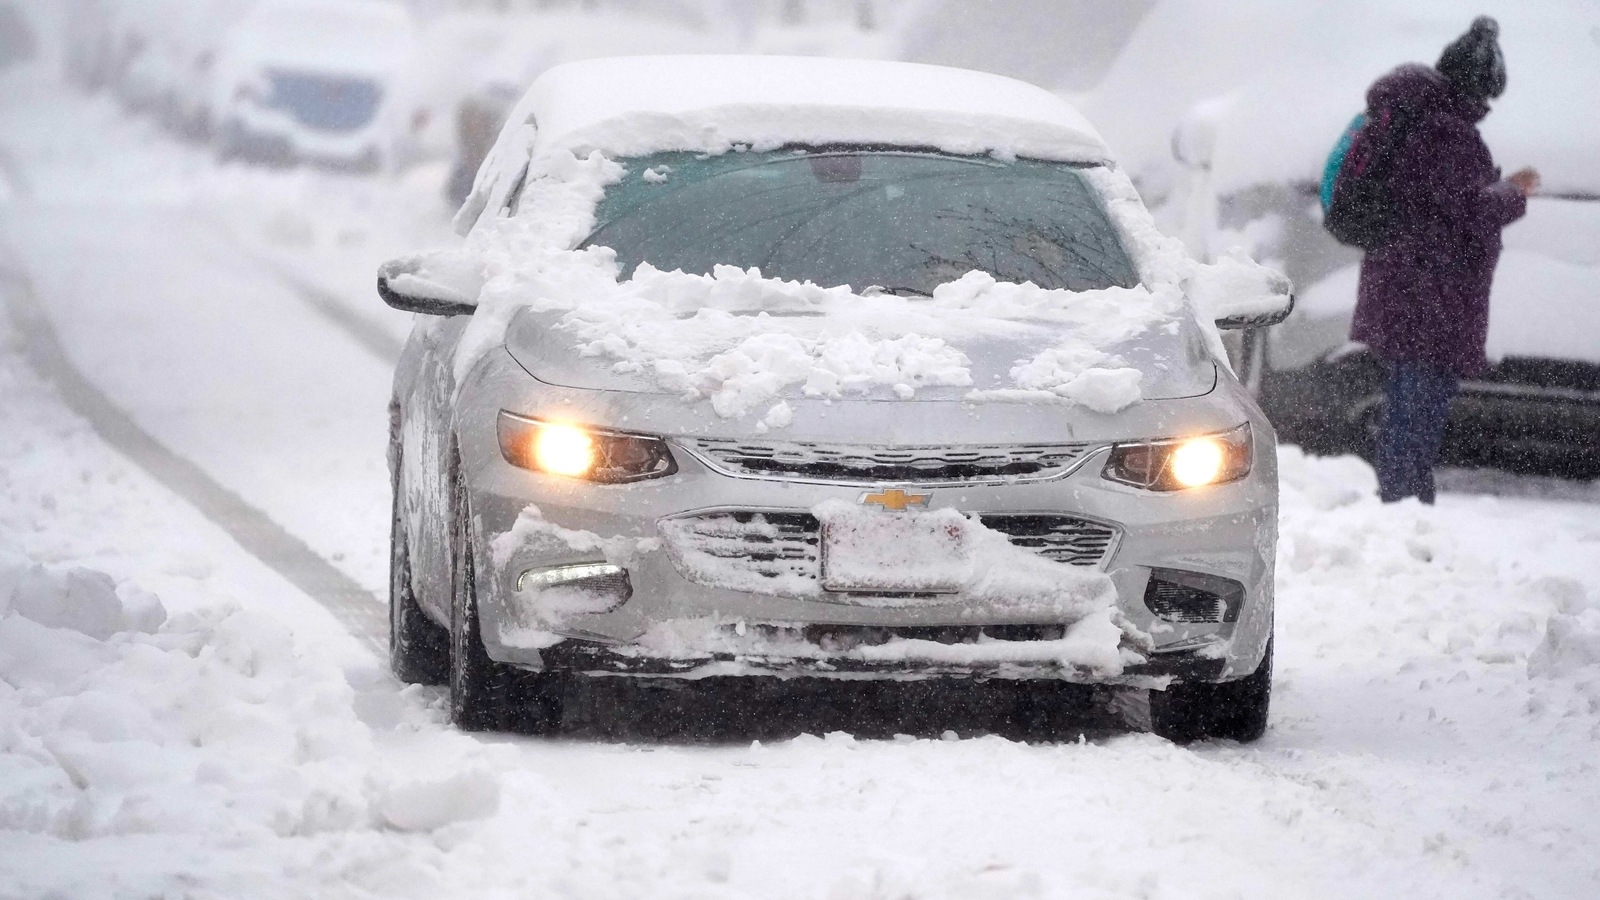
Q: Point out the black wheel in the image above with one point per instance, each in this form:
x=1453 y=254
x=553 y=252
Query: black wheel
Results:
x=419 y=648
x=486 y=695
x=1231 y=710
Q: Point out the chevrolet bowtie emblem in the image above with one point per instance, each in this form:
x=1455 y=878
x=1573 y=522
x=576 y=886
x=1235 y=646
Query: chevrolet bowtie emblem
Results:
x=894 y=499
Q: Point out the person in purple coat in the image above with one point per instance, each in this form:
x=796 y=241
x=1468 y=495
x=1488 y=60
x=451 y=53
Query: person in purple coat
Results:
x=1423 y=302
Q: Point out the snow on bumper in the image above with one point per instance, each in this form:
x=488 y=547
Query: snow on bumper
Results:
x=672 y=615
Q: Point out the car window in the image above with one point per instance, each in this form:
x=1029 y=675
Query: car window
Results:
x=903 y=221
x=320 y=100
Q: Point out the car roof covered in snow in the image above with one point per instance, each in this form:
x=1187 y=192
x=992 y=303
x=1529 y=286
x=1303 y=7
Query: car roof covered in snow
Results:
x=634 y=105
x=638 y=105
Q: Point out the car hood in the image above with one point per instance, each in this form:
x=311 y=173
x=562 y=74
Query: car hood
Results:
x=1173 y=362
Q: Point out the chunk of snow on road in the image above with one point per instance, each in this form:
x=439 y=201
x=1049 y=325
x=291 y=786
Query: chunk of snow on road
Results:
x=427 y=804
x=80 y=599
x=1571 y=646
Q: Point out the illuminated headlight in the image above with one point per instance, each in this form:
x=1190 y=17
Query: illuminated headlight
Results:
x=577 y=451
x=1179 y=463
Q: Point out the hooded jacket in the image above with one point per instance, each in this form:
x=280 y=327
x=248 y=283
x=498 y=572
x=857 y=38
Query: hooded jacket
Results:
x=1424 y=295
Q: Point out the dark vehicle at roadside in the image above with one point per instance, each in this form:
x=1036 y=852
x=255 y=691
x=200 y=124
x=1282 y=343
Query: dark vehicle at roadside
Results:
x=1535 y=411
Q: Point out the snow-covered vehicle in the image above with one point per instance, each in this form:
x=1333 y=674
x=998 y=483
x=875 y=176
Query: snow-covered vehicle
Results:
x=843 y=369
x=309 y=81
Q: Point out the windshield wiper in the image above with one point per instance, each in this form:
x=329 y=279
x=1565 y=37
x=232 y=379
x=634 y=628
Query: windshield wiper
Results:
x=875 y=289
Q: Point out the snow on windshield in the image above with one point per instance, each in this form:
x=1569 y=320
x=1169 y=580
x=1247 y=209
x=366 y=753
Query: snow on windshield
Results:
x=738 y=338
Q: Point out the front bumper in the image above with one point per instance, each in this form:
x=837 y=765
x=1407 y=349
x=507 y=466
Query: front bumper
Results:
x=598 y=659
x=678 y=623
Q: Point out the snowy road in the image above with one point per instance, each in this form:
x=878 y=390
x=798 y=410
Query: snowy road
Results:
x=1435 y=724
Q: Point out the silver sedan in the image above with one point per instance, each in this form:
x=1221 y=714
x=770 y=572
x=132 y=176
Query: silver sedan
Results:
x=556 y=514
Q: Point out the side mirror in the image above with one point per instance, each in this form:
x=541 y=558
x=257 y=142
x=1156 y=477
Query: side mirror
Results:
x=434 y=285
x=1261 y=319
x=1237 y=292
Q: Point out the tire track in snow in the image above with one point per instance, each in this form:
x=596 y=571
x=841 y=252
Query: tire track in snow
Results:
x=352 y=605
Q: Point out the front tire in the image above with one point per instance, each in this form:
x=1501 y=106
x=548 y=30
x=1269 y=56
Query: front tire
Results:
x=486 y=695
x=1230 y=710
x=419 y=648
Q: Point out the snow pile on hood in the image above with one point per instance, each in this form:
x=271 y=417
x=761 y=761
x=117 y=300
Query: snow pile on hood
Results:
x=737 y=338
x=121 y=721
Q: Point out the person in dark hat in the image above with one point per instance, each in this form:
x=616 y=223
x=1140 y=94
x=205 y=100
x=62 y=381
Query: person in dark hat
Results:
x=1423 y=302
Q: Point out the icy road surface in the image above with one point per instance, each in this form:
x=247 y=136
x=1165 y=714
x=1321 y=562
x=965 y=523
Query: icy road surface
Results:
x=177 y=719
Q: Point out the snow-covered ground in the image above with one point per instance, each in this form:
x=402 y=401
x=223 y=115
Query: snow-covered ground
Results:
x=176 y=719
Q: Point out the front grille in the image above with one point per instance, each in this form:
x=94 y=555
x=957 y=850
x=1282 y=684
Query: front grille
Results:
x=1065 y=539
x=748 y=551
x=906 y=465
x=780 y=552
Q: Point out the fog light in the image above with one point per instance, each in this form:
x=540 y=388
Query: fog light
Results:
x=1179 y=596
x=608 y=586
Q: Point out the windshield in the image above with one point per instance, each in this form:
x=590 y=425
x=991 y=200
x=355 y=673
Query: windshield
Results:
x=901 y=221
x=328 y=102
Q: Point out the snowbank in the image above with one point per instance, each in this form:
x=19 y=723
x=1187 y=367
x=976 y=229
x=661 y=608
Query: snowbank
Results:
x=122 y=722
x=1466 y=581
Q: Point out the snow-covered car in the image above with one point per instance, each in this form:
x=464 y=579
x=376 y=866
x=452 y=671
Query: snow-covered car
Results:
x=821 y=368
x=309 y=81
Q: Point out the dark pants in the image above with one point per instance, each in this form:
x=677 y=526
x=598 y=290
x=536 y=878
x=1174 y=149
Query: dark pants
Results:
x=1416 y=406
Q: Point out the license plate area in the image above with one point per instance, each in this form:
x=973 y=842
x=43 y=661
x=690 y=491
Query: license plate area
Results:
x=870 y=552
